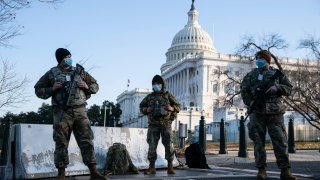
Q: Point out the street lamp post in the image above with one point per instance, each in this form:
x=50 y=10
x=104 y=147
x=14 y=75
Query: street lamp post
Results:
x=190 y=119
x=106 y=106
x=110 y=108
x=104 y=116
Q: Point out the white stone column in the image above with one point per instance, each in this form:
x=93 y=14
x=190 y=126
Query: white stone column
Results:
x=179 y=83
x=174 y=85
x=171 y=85
x=187 y=81
x=126 y=112
x=183 y=82
x=167 y=84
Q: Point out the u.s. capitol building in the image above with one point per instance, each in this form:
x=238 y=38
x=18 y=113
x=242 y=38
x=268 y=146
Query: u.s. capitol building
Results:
x=191 y=72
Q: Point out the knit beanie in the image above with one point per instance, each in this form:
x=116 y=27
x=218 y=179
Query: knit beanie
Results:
x=61 y=53
x=157 y=79
x=265 y=55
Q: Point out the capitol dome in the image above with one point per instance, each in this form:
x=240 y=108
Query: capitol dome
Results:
x=191 y=40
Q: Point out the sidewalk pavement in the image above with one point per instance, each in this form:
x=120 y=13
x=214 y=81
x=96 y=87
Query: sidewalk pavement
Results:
x=304 y=163
x=229 y=166
x=214 y=158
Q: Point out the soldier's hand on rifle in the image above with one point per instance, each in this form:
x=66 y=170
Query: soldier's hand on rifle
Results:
x=83 y=85
x=169 y=108
x=272 y=90
x=57 y=85
x=149 y=110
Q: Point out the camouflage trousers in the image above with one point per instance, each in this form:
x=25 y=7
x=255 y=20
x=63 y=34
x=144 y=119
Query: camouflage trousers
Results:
x=65 y=122
x=258 y=126
x=153 y=136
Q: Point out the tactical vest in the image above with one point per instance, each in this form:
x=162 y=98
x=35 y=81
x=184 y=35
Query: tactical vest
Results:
x=77 y=96
x=159 y=114
x=272 y=102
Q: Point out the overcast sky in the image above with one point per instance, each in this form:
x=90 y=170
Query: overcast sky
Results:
x=128 y=39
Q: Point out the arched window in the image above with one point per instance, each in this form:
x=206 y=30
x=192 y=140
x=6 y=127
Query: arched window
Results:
x=215 y=87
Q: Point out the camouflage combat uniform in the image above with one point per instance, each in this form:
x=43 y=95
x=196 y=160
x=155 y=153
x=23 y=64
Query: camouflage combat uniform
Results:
x=69 y=116
x=160 y=125
x=267 y=114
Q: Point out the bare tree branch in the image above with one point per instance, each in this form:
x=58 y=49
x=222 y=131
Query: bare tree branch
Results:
x=12 y=88
x=311 y=43
x=6 y=36
x=231 y=84
x=273 y=41
x=8 y=9
x=305 y=98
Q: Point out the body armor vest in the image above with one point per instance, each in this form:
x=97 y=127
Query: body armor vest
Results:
x=69 y=95
x=270 y=103
x=159 y=114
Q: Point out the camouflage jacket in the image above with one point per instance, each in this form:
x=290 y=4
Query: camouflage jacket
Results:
x=259 y=79
x=159 y=100
x=44 y=87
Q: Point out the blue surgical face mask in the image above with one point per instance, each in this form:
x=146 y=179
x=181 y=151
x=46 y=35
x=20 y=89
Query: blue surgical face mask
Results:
x=260 y=62
x=68 y=62
x=156 y=87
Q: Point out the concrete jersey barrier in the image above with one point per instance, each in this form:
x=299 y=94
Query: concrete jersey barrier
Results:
x=31 y=150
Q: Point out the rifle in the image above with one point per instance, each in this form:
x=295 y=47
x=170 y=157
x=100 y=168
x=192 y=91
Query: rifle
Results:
x=77 y=71
x=259 y=92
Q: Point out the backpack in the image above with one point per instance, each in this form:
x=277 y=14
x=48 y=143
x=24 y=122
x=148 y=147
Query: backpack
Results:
x=173 y=115
x=118 y=161
x=195 y=157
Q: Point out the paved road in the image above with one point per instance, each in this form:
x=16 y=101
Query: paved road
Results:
x=305 y=164
x=186 y=174
x=216 y=173
x=311 y=168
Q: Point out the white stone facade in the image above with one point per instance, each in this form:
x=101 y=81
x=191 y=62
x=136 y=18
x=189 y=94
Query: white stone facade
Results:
x=129 y=103
x=191 y=72
x=195 y=80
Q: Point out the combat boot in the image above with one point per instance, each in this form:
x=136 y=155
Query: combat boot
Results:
x=95 y=175
x=286 y=174
x=262 y=174
x=170 y=168
x=61 y=174
x=151 y=169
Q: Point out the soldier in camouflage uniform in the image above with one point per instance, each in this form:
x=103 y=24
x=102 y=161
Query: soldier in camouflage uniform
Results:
x=69 y=92
x=161 y=107
x=261 y=91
